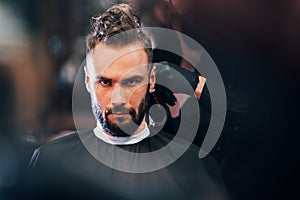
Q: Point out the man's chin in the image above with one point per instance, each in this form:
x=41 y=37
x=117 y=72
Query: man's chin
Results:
x=120 y=129
x=120 y=119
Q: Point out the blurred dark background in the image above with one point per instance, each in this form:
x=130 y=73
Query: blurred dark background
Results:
x=255 y=45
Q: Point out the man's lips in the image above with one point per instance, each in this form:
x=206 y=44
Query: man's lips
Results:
x=120 y=114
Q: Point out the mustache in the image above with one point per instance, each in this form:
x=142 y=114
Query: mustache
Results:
x=120 y=109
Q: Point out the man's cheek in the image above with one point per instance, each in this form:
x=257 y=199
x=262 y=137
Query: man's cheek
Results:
x=136 y=99
x=139 y=92
x=103 y=98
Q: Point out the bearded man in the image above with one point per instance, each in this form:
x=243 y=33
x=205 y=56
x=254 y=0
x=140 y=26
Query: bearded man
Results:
x=118 y=159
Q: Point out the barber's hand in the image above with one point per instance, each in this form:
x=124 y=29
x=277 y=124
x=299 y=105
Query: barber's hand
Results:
x=163 y=96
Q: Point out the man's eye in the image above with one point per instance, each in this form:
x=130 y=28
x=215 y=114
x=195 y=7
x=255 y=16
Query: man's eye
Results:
x=131 y=82
x=105 y=82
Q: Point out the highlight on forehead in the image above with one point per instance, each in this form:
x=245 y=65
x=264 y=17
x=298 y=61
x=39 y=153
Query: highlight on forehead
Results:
x=104 y=56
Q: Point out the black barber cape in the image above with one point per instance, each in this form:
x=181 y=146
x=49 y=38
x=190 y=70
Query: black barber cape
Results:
x=64 y=168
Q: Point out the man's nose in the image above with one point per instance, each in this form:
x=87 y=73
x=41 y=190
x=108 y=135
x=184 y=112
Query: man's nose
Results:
x=119 y=96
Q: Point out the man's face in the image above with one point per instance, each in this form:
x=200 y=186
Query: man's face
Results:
x=119 y=81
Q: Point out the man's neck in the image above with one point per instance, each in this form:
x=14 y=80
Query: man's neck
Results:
x=141 y=133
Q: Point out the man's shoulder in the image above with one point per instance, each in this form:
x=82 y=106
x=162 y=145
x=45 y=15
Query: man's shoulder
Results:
x=73 y=139
x=69 y=140
x=60 y=147
x=63 y=137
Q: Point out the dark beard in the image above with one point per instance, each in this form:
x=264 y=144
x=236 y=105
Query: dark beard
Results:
x=120 y=129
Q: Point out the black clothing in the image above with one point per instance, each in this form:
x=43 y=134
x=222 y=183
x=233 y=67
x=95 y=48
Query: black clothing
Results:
x=65 y=167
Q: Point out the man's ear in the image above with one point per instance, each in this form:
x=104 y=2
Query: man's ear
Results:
x=87 y=79
x=152 y=80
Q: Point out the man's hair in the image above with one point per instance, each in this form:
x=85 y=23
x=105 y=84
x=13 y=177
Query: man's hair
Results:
x=119 y=25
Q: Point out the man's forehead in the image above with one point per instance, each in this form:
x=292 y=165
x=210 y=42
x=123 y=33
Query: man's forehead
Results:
x=106 y=57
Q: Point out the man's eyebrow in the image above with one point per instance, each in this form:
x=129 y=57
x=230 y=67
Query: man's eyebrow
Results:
x=103 y=78
x=131 y=78
x=137 y=78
